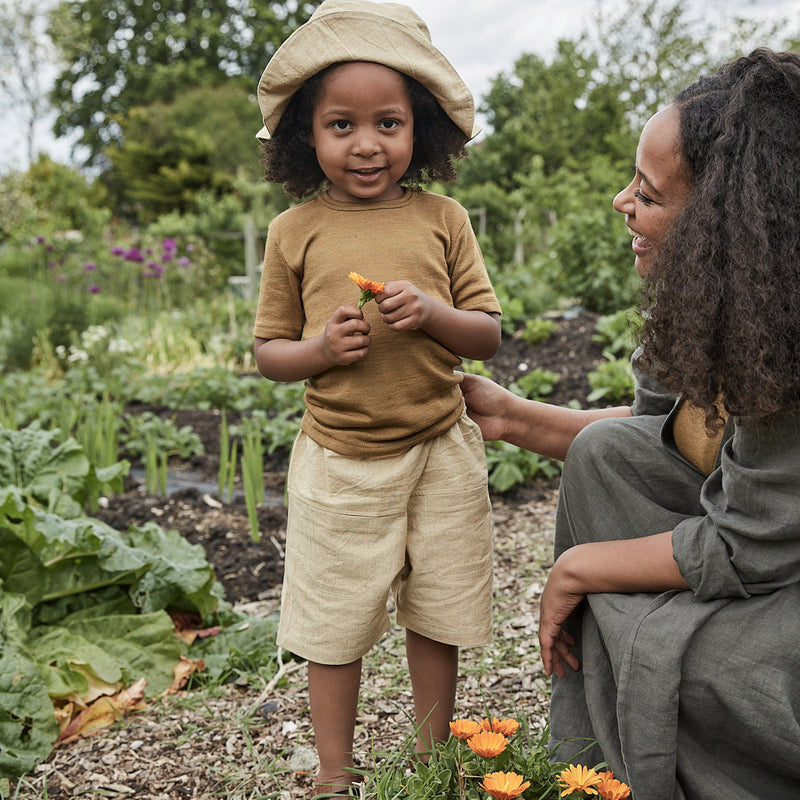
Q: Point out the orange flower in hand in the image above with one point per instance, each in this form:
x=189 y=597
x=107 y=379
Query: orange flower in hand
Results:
x=487 y=744
x=368 y=288
x=504 y=785
x=464 y=728
x=508 y=727
x=578 y=779
x=612 y=789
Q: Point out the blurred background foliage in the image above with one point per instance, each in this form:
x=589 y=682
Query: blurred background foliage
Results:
x=167 y=211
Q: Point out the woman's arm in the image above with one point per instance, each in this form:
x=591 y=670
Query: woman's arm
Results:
x=625 y=565
x=543 y=428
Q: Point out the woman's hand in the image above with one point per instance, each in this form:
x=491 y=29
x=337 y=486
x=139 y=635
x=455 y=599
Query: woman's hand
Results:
x=559 y=601
x=484 y=399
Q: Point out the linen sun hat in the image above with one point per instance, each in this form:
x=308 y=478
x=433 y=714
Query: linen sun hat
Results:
x=357 y=30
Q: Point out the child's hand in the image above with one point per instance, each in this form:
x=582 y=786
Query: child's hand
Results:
x=403 y=306
x=345 y=339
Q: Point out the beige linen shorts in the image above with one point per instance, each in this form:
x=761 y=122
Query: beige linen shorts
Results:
x=416 y=524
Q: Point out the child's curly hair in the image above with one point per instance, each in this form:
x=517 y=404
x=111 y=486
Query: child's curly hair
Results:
x=288 y=158
x=723 y=298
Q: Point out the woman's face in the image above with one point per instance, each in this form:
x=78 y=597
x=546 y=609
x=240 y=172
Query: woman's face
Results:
x=659 y=189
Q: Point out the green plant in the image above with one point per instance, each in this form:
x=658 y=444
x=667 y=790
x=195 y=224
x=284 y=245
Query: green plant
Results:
x=536 y=384
x=476 y=368
x=538 y=329
x=226 y=472
x=509 y=465
x=613 y=381
x=617 y=332
x=168 y=438
x=253 y=472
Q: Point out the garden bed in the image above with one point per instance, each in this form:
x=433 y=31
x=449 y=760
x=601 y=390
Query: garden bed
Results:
x=249 y=741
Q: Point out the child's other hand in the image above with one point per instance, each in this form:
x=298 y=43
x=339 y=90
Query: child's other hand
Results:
x=403 y=306
x=345 y=339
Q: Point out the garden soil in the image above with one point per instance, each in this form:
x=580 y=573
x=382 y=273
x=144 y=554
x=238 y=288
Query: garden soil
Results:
x=255 y=741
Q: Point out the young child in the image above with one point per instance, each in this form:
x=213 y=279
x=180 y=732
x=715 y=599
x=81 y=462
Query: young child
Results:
x=387 y=483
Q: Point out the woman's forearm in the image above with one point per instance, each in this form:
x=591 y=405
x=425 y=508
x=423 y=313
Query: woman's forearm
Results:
x=548 y=429
x=645 y=564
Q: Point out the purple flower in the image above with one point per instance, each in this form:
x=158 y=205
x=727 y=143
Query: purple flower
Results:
x=190 y=247
x=184 y=262
x=134 y=254
x=169 y=245
x=167 y=255
x=118 y=251
x=156 y=270
x=94 y=289
x=89 y=267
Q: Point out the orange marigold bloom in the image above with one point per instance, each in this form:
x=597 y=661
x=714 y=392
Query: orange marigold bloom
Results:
x=504 y=785
x=578 y=779
x=368 y=288
x=487 y=744
x=464 y=728
x=612 y=789
x=508 y=727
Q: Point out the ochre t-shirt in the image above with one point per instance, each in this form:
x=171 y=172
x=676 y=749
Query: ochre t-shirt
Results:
x=405 y=390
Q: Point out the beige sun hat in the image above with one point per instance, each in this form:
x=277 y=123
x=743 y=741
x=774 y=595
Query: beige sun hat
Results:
x=357 y=30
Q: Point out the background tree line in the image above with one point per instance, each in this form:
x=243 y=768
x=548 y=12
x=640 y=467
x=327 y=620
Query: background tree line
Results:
x=160 y=99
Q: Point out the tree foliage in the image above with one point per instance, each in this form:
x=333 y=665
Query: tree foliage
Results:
x=171 y=151
x=563 y=135
x=120 y=54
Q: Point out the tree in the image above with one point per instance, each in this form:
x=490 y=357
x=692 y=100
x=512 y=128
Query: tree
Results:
x=170 y=152
x=25 y=52
x=120 y=54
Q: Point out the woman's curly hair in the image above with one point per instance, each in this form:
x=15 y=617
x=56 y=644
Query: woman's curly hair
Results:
x=290 y=160
x=722 y=302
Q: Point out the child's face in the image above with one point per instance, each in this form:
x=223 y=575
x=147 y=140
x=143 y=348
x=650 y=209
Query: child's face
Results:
x=363 y=132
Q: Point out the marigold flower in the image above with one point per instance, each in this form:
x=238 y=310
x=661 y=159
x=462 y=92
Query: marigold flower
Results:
x=508 y=727
x=504 y=785
x=487 y=744
x=578 y=779
x=368 y=288
x=612 y=789
x=464 y=728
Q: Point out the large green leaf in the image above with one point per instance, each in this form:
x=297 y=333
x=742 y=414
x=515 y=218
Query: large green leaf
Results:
x=178 y=575
x=49 y=475
x=28 y=727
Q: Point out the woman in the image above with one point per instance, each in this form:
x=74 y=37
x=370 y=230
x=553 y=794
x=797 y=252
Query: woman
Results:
x=671 y=617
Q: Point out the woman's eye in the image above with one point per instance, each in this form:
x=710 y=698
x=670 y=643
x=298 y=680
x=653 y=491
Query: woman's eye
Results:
x=389 y=124
x=644 y=198
x=340 y=125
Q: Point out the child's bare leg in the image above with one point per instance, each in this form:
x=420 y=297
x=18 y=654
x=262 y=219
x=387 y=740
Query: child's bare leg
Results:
x=434 y=674
x=333 y=695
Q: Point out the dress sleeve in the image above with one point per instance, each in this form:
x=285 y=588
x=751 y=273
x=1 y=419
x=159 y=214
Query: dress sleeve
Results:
x=749 y=540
